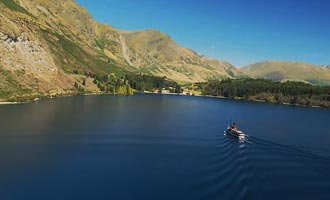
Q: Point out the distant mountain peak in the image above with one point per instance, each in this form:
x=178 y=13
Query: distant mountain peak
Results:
x=284 y=70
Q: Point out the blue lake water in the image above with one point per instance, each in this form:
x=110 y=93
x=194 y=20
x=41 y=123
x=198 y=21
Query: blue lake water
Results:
x=162 y=147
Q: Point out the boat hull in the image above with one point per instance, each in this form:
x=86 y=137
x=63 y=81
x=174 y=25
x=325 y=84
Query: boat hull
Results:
x=235 y=134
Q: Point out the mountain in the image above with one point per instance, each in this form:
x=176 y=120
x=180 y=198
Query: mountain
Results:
x=283 y=71
x=154 y=52
x=43 y=42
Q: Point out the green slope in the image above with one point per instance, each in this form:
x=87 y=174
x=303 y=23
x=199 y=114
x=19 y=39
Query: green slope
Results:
x=283 y=71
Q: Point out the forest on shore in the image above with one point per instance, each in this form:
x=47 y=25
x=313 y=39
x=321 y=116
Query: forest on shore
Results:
x=290 y=92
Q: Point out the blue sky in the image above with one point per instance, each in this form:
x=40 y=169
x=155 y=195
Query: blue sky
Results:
x=238 y=31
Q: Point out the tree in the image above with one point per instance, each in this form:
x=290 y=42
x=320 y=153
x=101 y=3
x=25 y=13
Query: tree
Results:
x=178 y=89
x=274 y=92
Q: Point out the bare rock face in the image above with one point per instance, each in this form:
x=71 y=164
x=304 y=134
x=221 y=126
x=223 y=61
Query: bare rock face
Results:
x=21 y=53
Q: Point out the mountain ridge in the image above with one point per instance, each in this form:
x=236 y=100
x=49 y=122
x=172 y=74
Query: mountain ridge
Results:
x=288 y=70
x=135 y=50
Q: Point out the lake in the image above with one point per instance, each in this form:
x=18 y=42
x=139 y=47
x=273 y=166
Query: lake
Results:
x=150 y=146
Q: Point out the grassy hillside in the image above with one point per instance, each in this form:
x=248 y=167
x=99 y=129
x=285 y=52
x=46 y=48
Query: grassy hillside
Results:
x=283 y=71
x=154 y=52
x=70 y=56
x=15 y=7
x=53 y=44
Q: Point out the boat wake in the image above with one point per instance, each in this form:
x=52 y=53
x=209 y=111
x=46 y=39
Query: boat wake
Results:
x=254 y=161
x=246 y=140
x=299 y=150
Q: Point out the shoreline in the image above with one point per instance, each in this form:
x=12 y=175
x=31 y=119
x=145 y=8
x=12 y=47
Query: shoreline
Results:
x=10 y=103
x=237 y=99
x=172 y=94
x=260 y=101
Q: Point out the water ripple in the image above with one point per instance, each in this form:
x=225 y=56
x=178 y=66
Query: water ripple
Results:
x=240 y=170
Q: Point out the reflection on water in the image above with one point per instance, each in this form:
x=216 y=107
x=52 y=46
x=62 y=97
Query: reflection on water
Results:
x=162 y=147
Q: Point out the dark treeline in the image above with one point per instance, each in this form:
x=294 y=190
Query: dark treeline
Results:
x=142 y=82
x=110 y=83
x=128 y=82
x=266 y=90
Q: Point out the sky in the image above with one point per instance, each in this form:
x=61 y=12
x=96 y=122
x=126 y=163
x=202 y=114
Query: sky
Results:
x=241 y=32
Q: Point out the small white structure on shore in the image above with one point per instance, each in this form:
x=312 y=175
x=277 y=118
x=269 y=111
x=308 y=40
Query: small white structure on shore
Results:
x=164 y=91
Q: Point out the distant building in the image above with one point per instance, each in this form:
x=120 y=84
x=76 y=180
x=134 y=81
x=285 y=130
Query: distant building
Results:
x=187 y=93
x=164 y=91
